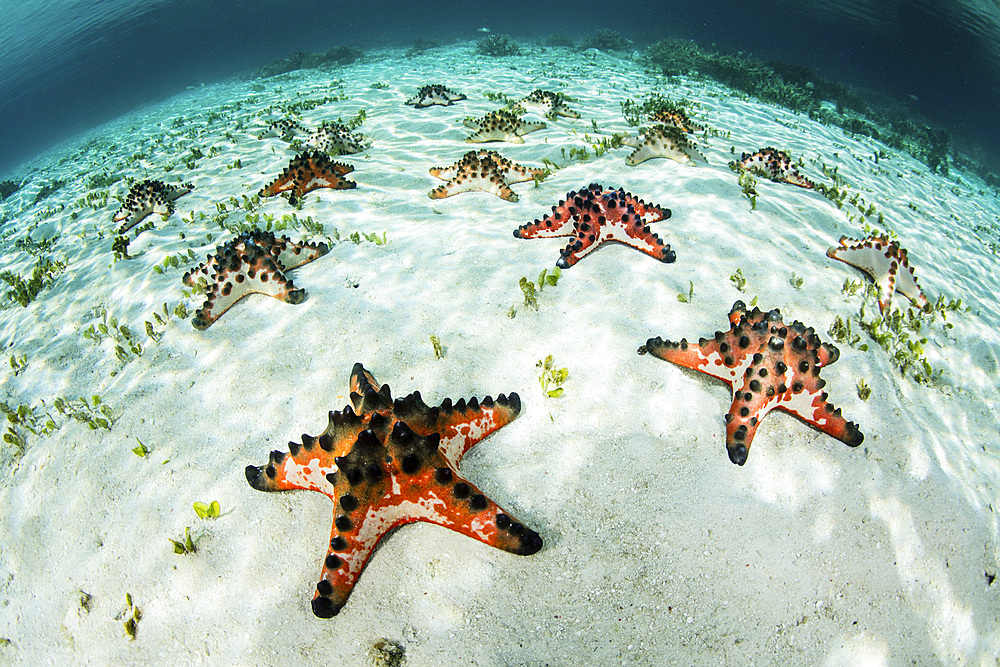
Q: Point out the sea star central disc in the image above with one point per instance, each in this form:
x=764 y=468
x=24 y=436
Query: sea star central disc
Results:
x=385 y=463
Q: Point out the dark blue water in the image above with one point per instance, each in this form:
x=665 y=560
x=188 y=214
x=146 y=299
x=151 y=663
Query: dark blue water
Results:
x=67 y=65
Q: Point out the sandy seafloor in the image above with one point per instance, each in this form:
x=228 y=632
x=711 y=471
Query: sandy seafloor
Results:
x=658 y=549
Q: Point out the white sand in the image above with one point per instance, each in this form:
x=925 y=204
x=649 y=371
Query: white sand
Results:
x=657 y=548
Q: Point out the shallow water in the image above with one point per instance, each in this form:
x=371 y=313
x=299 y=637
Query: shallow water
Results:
x=657 y=548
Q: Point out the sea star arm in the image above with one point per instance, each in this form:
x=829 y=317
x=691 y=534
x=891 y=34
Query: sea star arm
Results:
x=560 y=110
x=805 y=397
x=291 y=254
x=460 y=424
x=906 y=280
x=494 y=134
x=446 y=173
x=515 y=173
x=557 y=223
x=643 y=152
x=283 y=183
x=707 y=355
x=814 y=409
x=337 y=138
x=524 y=127
x=422 y=490
x=586 y=239
x=632 y=231
x=749 y=407
x=647 y=212
x=887 y=286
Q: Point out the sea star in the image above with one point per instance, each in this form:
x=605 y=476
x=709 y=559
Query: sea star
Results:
x=676 y=117
x=881 y=259
x=253 y=262
x=667 y=141
x=482 y=170
x=386 y=463
x=434 y=94
x=548 y=104
x=768 y=365
x=337 y=139
x=500 y=126
x=286 y=129
x=775 y=165
x=306 y=172
x=598 y=216
x=146 y=198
